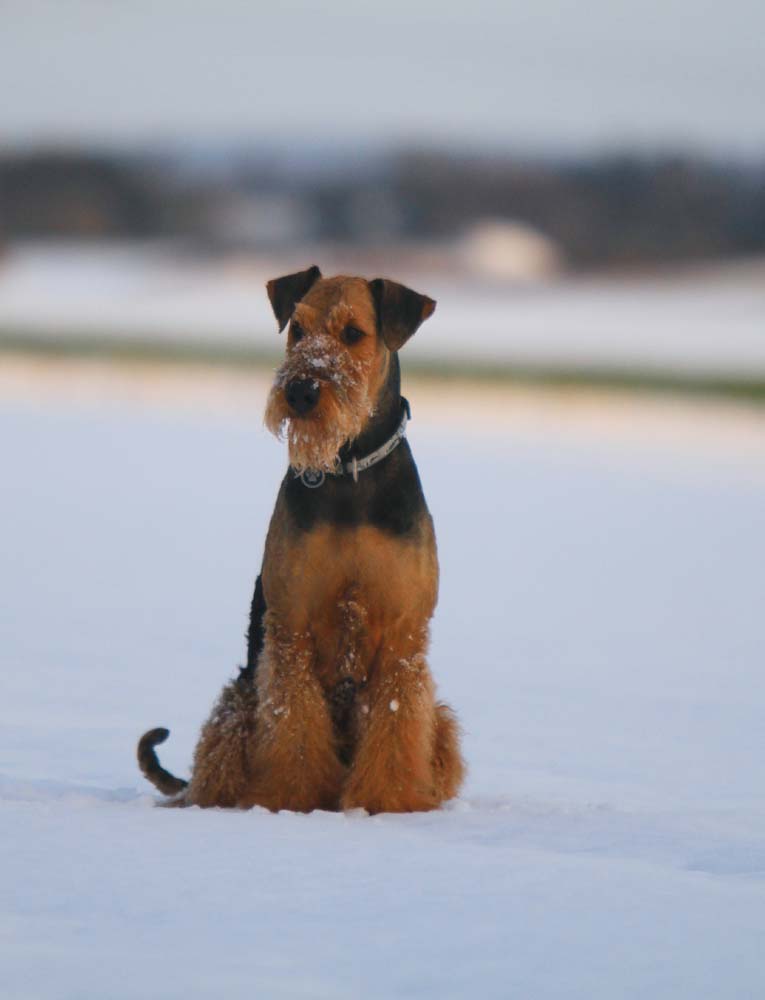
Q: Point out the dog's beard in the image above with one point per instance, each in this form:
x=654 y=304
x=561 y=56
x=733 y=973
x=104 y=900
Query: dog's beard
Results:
x=344 y=406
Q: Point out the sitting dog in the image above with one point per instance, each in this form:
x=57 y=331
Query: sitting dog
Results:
x=336 y=707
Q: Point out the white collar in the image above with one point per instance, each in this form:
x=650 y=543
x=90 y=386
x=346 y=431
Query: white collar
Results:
x=313 y=478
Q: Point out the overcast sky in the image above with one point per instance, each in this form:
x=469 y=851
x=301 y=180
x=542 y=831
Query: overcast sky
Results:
x=538 y=74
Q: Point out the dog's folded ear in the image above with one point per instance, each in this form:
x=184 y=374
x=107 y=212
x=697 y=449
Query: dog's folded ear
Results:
x=285 y=293
x=399 y=311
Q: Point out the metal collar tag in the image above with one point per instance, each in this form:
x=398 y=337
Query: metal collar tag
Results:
x=313 y=478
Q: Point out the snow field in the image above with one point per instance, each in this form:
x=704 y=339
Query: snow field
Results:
x=599 y=633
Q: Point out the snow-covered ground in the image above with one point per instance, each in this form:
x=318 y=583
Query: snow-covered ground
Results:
x=711 y=320
x=600 y=632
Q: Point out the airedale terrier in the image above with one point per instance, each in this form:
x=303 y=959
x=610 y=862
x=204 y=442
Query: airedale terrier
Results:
x=336 y=707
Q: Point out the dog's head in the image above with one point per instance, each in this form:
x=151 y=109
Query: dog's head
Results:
x=342 y=335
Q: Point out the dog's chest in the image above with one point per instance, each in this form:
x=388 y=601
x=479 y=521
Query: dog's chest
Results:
x=310 y=578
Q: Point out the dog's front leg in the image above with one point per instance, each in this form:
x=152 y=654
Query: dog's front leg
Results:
x=393 y=767
x=295 y=763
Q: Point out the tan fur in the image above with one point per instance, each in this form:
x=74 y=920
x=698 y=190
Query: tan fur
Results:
x=395 y=584
x=393 y=766
x=295 y=764
x=348 y=610
x=223 y=755
x=448 y=766
x=349 y=380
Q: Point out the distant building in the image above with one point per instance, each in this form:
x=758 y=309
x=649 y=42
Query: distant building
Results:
x=502 y=250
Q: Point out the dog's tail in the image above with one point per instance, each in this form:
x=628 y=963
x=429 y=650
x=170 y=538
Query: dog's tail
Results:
x=149 y=763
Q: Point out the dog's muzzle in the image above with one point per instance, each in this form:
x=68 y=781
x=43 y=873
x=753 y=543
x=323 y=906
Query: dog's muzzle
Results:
x=302 y=395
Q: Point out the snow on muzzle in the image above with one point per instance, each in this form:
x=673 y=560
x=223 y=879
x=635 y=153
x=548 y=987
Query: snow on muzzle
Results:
x=318 y=401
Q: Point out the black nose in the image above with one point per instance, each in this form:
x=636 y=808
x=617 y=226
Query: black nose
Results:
x=303 y=394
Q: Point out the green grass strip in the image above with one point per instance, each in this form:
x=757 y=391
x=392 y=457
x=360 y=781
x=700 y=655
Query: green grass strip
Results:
x=750 y=389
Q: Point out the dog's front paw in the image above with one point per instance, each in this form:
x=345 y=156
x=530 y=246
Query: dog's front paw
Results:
x=395 y=798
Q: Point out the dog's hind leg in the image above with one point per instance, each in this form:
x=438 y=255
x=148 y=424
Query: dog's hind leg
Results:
x=448 y=765
x=223 y=756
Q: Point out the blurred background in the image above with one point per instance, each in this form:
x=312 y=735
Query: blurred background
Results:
x=580 y=185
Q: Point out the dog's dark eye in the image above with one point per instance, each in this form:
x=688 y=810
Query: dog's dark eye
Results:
x=297 y=332
x=351 y=335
